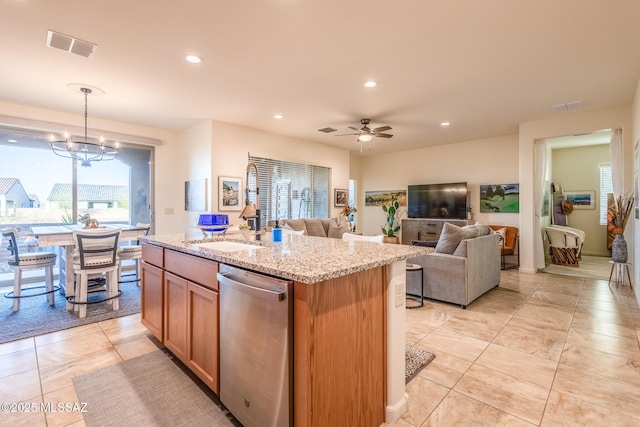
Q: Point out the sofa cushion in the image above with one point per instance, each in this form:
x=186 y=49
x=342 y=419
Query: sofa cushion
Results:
x=315 y=227
x=451 y=237
x=337 y=230
x=297 y=225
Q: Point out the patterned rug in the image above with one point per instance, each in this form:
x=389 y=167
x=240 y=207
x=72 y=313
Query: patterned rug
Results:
x=416 y=360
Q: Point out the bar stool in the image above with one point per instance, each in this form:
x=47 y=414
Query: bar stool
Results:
x=416 y=268
x=96 y=252
x=28 y=261
x=132 y=252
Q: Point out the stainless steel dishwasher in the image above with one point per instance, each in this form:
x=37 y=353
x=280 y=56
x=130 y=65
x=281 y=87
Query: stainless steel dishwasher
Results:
x=256 y=379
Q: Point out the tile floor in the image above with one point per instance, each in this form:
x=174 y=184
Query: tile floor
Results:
x=541 y=349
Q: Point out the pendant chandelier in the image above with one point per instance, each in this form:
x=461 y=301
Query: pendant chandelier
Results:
x=84 y=151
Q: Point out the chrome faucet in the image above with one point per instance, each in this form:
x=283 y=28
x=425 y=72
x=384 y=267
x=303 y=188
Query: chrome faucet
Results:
x=251 y=211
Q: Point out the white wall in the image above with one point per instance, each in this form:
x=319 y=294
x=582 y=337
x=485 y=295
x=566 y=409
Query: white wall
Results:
x=479 y=162
x=578 y=169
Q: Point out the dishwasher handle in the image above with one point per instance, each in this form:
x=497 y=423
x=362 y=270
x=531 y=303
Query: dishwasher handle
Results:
x=251 y=290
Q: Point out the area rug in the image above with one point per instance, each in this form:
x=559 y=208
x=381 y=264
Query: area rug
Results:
x=36 y=317
x=590 y=267
x=416 y=360
x=149 y=390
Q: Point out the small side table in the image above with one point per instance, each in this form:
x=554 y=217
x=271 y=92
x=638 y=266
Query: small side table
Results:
x=619 y=268
x=415 y=268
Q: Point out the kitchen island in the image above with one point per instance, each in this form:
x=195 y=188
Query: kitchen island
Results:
x=348 y=317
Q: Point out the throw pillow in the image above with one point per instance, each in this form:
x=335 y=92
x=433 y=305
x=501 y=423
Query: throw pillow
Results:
x=289 y=230
x=502 y=232
x=337 y=230
x=314 y=227
x=451 y=237
x=296 y=224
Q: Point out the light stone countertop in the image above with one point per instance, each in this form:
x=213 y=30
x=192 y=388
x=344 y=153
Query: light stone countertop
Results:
x=305 y=259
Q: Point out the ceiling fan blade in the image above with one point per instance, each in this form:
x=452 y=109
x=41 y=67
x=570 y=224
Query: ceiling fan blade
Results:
x=382 y=129
x=356 y=129
x=345 y=134
x=383 y=135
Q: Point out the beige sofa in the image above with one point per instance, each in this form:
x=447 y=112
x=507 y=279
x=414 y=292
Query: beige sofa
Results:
x=470 y=270
x=319 y=227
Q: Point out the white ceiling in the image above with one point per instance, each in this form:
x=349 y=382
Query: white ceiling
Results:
x=485 y=66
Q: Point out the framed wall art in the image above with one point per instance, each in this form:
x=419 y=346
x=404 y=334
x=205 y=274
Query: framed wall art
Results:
x=195 y=195
x=503 y=198
x=229 y=193
x=581 y=199
x=340 y=197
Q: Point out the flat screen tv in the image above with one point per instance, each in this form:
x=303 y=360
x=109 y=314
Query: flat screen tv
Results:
x=447 y=201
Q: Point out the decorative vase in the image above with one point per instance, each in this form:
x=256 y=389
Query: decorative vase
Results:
x=619 y=249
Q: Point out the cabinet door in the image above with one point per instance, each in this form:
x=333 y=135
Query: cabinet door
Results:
x=175 y=315
x=202 y=354
x=152 y=299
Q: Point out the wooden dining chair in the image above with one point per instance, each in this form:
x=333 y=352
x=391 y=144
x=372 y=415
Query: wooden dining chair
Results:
x=132 y=251
x=96 y=252
x=28 y=261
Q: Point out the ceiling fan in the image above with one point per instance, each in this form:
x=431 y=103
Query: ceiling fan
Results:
x=366 y=134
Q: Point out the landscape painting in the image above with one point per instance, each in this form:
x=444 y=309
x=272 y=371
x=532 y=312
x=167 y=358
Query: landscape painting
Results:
x=378 y=198
x=503 y=198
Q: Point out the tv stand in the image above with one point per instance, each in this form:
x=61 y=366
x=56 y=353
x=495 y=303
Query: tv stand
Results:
x=426 y=228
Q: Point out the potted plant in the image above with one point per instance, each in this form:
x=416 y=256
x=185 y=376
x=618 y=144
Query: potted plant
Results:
x=390 y=228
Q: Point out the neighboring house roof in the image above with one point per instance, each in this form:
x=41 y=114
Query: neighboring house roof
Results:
x=33 y=197
x=90 y=192
x=6 y=184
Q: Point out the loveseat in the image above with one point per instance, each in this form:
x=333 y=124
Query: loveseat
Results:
x=464 y=265
x=319 y=227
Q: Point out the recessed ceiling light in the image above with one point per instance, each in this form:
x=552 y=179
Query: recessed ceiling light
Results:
x=194 y=59
x=445 y=124
x=370 y=83
x=12 y=140
x=278 y=116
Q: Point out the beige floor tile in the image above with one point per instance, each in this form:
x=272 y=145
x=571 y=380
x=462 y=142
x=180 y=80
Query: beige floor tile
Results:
x=445 y=369
x=519 y=365
x=19 y=361
x=599 y=390
x=519 y=398
x=563 y=410
x=626 y=347
x=459 y=410
x=615 y=306
x=66 y=334
x=67 y=409
x=461 y=346
x=29 y=415
x=587 y=323
x=564 y=284
x=131 y=349
x=424 y=396
x=533 y=337
x=73 y=347
x=413 y=337
x=471 y=328
x=604 y=316
x=19 y=345
x=602 y=363
x=20 y=387
x=120 y=334
x=494 y=318
x=553 y=299
x=59 y=375
x=556 y=316
x=427 y=318
x=399 y=423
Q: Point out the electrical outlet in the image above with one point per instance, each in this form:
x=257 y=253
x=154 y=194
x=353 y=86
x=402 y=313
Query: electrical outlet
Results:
x=400 y=296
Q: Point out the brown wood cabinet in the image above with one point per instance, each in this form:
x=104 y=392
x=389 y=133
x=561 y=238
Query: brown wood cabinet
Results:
x=152 y=307
x=181 y=308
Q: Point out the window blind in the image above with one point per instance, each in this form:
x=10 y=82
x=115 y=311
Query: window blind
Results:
x=606 y=187
x=290 y=190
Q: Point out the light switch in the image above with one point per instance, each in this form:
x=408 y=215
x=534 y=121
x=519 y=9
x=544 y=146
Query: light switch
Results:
x=400 y=296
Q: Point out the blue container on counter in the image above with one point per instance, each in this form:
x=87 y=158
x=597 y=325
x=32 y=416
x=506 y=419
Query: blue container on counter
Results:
x=277 y=234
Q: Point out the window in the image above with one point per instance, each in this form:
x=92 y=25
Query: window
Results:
x=606 y=187
x=39 y=188
x=291 y=190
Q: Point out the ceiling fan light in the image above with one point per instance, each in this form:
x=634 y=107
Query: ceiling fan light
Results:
x=365 y=138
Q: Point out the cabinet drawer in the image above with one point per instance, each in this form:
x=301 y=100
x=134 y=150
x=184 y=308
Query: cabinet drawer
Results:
x=153 y=254
x=198 y=270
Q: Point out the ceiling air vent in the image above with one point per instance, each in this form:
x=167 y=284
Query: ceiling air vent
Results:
x=568 y=106
x=327 y=130
x=70 y=44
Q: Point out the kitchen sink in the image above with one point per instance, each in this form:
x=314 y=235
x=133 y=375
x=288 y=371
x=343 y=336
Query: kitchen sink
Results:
x=227 y=246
